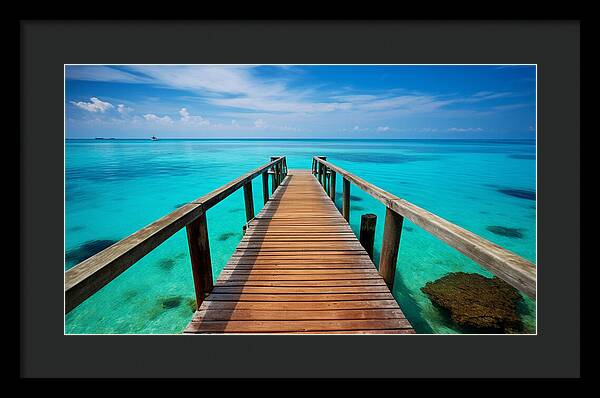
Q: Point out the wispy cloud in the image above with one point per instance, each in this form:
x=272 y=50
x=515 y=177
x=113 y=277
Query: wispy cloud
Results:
x=102 y=73
x=95 y=105
x=188 y=118
x=124 y=110
x=154 y=118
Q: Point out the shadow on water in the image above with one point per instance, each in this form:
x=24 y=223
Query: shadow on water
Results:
x=353 y=198
x=410 y=307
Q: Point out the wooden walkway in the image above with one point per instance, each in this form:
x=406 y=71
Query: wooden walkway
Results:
x=299 y=269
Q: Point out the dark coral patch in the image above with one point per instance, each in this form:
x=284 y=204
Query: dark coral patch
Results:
x=76 y=228
x=505 y=231
x=177 y=206
x=130 y=294
x=519 y=193
x=170 y=302
x=357 y=208
x=476 y=302
x=224 y=236
x=166 y=264
x=87 y=250
x=409 y=229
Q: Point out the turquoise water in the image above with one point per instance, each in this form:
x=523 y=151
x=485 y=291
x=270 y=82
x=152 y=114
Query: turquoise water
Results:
x=114 y=188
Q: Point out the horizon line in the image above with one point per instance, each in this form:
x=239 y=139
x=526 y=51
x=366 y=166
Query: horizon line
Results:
x=295 y=138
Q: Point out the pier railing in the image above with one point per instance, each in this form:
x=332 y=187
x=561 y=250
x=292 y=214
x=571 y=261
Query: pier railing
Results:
x=508 y=266
x=89 y=276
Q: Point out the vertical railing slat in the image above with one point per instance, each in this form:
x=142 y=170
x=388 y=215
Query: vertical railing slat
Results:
x=265 y=185
x=248 y=201
x=346 y=199
x=332 y=186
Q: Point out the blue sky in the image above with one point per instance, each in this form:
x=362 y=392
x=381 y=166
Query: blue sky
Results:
x=300 y=101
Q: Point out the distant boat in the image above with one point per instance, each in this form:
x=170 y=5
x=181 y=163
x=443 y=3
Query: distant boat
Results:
x=153 y=138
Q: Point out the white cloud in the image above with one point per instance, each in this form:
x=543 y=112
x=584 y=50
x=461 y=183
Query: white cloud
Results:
x=95 y=105
x=259 y=123
x=186 y=117
x=123 y=110
x=153 y=118
x=383 y=128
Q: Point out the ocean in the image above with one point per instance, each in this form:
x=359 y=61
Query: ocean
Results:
x=115 y=187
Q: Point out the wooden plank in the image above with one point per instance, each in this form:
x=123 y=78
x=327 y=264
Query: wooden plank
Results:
x=299 y=305
x=197 y=326
x=300 y=297
x=273 y=315
x=220 y=289
x=228 y=282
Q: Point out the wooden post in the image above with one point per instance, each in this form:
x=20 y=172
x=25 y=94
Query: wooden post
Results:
x=325 y=178
x=367 y=232
x=332 y=186
x=265 y=185
x=273 y=176
x=197 y=234
x=320 y=172
x=321 y=169
x=249 y=201
x=346 y=200
x=279 y=173
x=392 y=230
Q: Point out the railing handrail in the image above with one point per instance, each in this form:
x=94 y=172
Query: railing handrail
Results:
x=90 y=275
x=507 y=265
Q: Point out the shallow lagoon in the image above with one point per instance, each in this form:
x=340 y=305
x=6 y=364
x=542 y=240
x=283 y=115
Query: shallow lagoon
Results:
x=113 y=188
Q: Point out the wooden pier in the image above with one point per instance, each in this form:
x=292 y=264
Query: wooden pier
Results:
x=299 y=267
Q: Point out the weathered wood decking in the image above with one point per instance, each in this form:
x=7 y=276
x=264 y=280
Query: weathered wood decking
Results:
x=299 y=269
